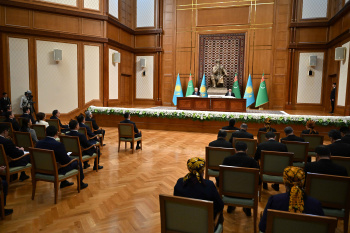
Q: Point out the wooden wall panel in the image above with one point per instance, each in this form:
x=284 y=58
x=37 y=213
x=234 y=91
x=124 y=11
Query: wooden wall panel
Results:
x=127 y=13
x=126 y=38
x=264 y=14
x=145 y=41
x=223 y=16
x=17 y=17
x=182 y=20
x=92 y=27
x=314 y=35
x=113 y=32
x=54 y=22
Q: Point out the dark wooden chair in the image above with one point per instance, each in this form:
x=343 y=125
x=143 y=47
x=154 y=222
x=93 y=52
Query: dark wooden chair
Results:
x=229 y=134
x=214 y=156
x=314 y=140
x=126 y=134
x=40 y=131
x=300 y=150
x=342 y=161
x=54 y=122
x=251 y=143
x=23 y=139
x=89 y=124
x=261 y=136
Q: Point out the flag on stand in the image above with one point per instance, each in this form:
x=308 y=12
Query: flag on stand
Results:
x=203 y=89
x=235 y=88
x=262 y=97
x=190 y=88
x=249 y=92
x=178 y=90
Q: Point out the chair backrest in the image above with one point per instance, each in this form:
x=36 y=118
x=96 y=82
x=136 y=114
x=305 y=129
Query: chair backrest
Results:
x=3 y=157
x=40 y=131
x=261 y=136
x=331 y=191
x=251 y=143
x=273 y=163
x=20 y=120
x=214 y=156
x=89 y=124
x=43 y=161
x=179 y=214
x=10 y=128
x=314 y=140
x=126 y=130
x=23 y=139
x=54 y=122
x=83 y=130
x=300 y=150
x=72 y=144
x=342 y=161
x=245 y=185
x=2 y=118
x=287 y=222
x=229 y=134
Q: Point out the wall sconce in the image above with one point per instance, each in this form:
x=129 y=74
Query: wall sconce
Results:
x=143 y=66
x=116 y=57
x=57 y=55
x=340 y=54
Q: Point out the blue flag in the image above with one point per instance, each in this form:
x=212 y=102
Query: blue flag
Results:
x=203 y=89
x=249 y=92
x=178 y=90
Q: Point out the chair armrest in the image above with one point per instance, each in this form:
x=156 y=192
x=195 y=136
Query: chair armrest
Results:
x=93 y=137
x=218 y=218
x=11 y=159
x=84 y=149
x=65 y=165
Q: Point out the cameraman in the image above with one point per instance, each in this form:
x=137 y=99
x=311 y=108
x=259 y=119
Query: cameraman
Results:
x=25 y=100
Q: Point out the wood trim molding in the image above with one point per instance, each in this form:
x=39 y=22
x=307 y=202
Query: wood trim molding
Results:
x=133 y=50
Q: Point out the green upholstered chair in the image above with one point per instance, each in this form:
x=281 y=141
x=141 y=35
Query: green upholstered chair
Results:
x=23 y=139
x=54 y=122
x=342 y=161
x=251 y=143
x=40 y=131
x=261 y=136
x=333 y=192
x=45 y=168
x=272 y=165
x=180 y=214
x=286 y=222
x=126 y=134
x=2 y=118
x=314 y=140
x=89 y=123
x=229 y=134
x=84 y=131
x=10 y=129
x=5 y=160
x=20 y=120
x=72 y=144
x=240 y=187
x=2 y=207
x=214 y=156
x=300 y=150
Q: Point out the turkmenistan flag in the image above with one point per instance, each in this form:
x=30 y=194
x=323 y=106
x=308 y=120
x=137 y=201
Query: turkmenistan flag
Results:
x=190 y=88
x=235 y=88
x=262 y=97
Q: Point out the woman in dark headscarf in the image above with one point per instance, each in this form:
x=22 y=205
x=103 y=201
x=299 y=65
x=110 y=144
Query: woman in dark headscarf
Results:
x=267 y=124
x=310 y=125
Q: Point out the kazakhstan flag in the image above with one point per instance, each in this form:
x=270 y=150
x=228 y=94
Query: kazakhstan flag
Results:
x=203 y=89
x=249 y=92
x=178 y=90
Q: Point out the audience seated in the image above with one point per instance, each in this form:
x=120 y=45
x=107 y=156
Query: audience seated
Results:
x=267 y=124
x=56 y=116
x=97 y=129
x=221 y=141
x=13 y=152
x=50 y=143
x=4 y=188
x=345 y=133
x=26 y=124
x=11 y=118
x=81 y=121
x=242 y=133
x=310 y=125
x=294 y=200
x=41 y=119
x=240 y=159
x=338 y=148
x=137 y=132
x=27 y=114
x=7 y=109
x=290 y=135
x=231 y=125
x=324 y=164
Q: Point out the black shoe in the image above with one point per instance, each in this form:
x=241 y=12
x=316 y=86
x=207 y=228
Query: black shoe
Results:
x=8 y=211
x=65 y=183
x=103 y=144
x=83 y=185
x=23 y=177
x=99 y=167
x=276 y=187
x=247 y=211
x=138 y=147
x=230 y=209
x=86 y=165
x=265 y=186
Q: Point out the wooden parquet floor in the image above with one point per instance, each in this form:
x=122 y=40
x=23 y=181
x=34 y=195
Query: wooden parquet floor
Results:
x=123 y=196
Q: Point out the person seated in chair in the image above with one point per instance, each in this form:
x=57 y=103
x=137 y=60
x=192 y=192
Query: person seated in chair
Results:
x=40 y=116
x=11 y=118
x=294 y=200
x=81 y=120
x=56 y=116
x=290 y=135
x=74 y=127
x=196 y=92
x=338 y=148
x=4 y=189
x=26 y=114
x=221 y=141
x=310 y=125
x=242 y=133
x=267 y=126
x=8 y=108
x=97 y=129
x=230 y=93
x=231 y=125
x=13 y=152
x=345 y=134
x=50 y=143
x=26 y=127
x=136 y=131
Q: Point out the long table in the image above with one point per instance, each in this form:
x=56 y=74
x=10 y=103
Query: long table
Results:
x=211 y=104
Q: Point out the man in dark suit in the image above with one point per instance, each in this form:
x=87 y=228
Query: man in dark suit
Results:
x=231 y=125
x=7 y=109
x=81 y=121
x=13 y=152
x=230 y=93
x=242 y=133
x=97 y=129
x=221 y=141
x=334 y=86
x=345 y=133
x=136 y=131
x=11 y=118
x=4 y=102
x=56 y=115
x=338 y=148
x=324 y=164
x=74 y=127
x=4 y=188
x=50 y=143
x=290 y=135
x=196 y=92
x=26 y=114
x=240 y=159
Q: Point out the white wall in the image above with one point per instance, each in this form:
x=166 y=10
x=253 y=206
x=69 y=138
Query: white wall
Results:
x=310 y=87
x=57 y=82
x=19 y=71
x=113 y=76
x=145 y=13
x=92 y=4
x=92 y=72
x=314 y=9
x=144 y=84
x=113 y=8
x=64 y=2
x=343 y=77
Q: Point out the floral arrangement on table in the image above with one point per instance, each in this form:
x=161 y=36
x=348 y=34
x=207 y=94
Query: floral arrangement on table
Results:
x=223 y=116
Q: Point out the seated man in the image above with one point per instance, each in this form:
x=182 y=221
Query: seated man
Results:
x=324 y=164
x=290 y=135
x=230 y=93
x=7 y=109
x=13 y=152
x=338 y=148
x=221 y=141
x=50 y=143
x=97 y=129
x=11 y=118
x=242 y=133
x=4 y=188
x=81 y=120
x=74 y=127
x=26 y=114
x=56 y=116
x=240 y=159
x=345 y=133
x=137 y=132
x=231 y=125
x=196 y=92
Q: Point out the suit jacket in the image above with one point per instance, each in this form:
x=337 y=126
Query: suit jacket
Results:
x=346 y=139
x=293 y=138
x=25 y=115
x=270 y=145
x=83 y=142
x=339 y=148
x=221 y=142
x=130 y=122
x=240 y=160
x=241 y=134
x=88 y=130
x=265 y=130
x=333 y=94
x=59 y=122
x=198 y=93
x=14 y=124
x=326 y=166
x=281 y=202
x=58 y=147
x=228 y=94
x=305 y=131
x=94 y=124
x=230 y=128
x=4 y=103
x=10 y=148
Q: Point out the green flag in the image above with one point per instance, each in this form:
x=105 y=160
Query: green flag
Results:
x=262 y=97
x=235 y=88
x=190 y=88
